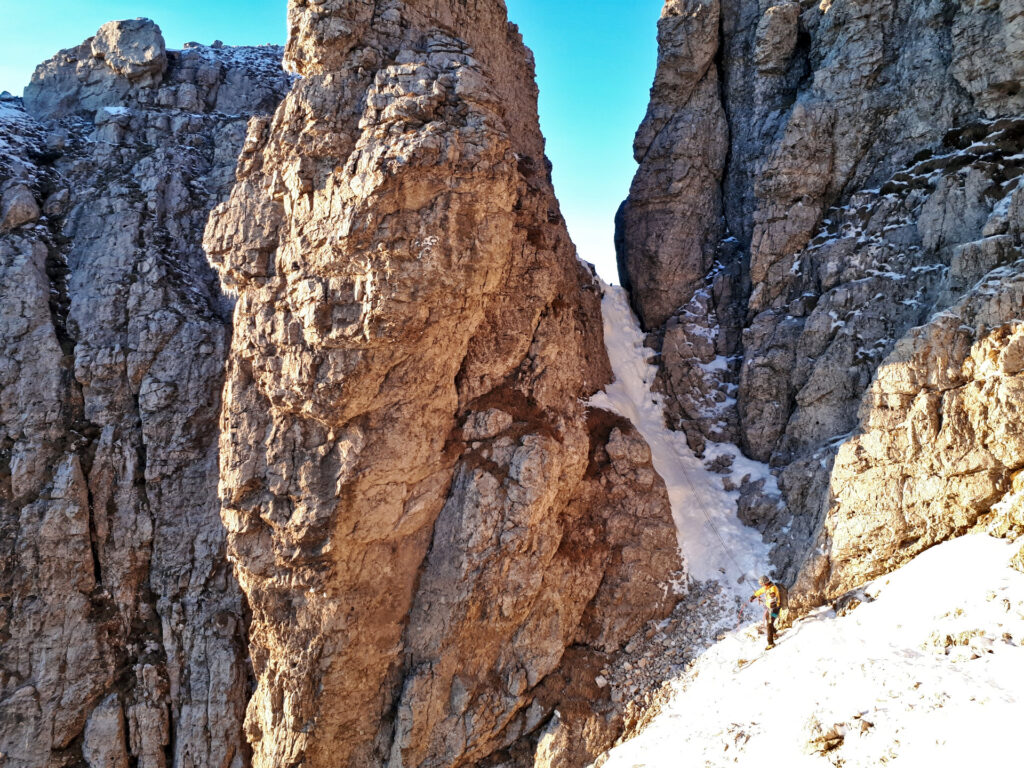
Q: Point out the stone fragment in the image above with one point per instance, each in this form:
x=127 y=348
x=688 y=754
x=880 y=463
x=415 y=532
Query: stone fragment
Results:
x=485 y=425
x=18 y=207
x=57 y=203
x=105 y=742
x=821 y=739
x=776 y=38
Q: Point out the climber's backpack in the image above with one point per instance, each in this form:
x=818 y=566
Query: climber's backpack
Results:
x=783 y=597
x=785 y=620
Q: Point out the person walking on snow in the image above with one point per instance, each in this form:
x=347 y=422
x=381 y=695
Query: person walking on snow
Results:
x=772 y=600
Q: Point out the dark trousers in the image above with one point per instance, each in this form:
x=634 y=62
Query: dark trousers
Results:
x=769 y=624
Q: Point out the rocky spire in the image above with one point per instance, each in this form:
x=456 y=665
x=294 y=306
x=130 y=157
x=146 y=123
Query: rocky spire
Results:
x=423 y=514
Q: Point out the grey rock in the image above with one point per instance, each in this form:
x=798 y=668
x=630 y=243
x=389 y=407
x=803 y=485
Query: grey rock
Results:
x=775 y=38
x=113 y=333
x=869 y=183
x=939 y=443
x=484 y=425
x=57 y=203
x=105 y=743
x=136 y=71
x=132 y=48
x=986 y=54
x=669 y=227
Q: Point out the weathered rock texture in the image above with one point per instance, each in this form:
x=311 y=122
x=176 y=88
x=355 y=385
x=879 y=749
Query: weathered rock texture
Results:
x=422 y=515
x=122 y=629
x=864 y=178
x=941 y=441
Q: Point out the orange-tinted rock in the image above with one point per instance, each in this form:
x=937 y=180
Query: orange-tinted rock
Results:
x=407 y=471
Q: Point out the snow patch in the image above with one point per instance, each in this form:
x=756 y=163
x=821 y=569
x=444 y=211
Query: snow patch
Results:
x=720 y=363
x=714 y=543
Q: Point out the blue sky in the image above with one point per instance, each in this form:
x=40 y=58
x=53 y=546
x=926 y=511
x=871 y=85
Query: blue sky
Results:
x=595 y=65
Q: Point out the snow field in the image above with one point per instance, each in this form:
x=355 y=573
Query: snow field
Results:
x=927 y=671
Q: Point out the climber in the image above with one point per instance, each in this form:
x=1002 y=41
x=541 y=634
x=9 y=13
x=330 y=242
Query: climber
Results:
x=772 y=600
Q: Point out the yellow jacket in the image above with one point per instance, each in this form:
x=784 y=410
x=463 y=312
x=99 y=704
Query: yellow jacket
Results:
x=771 y=595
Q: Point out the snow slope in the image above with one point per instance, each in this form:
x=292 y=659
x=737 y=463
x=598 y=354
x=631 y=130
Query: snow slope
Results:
x=929 y=673
x=714 y=543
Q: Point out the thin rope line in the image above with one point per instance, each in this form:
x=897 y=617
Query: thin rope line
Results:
x=725 y=548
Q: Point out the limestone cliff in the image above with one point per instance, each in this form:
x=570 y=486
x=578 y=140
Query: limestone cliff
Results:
x=425 y=519
x=122 y=629
x=822 y=186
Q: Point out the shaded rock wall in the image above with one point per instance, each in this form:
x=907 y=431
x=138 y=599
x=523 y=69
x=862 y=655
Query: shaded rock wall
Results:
x=421 y=514
x=869 y=182
x=940 y=444
x=884 y=265
x=123 y=630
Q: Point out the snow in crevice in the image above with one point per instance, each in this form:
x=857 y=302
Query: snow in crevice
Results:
x=928 y=668
x=714 y=543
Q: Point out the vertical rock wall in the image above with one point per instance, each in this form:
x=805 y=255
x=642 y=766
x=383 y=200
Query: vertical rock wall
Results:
x=122 y=629
x=422 y=514
x=870 y=180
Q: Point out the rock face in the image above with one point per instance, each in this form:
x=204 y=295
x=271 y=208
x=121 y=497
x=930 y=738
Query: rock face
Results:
x=127 y=65
x=431 y=531
x=425 y=516
x=123 y=631
x=940 y=444
x=670 y=227
x=865 y=182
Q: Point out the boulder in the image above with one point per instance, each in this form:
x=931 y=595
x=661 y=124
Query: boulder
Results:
x=18 y=207
x=134 y=49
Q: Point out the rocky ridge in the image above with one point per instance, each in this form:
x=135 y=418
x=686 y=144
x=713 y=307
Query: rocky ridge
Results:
x=123 y=630
x=422 y=514
x=866 y=183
